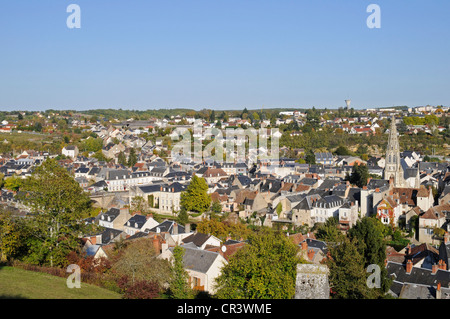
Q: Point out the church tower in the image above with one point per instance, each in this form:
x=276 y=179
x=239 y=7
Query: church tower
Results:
x=393 y=169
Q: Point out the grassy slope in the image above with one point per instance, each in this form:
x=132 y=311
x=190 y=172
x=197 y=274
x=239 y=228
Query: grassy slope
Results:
x=18 y=283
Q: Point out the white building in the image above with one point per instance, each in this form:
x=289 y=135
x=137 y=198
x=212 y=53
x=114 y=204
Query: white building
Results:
x=70 y=151
x=325 y=208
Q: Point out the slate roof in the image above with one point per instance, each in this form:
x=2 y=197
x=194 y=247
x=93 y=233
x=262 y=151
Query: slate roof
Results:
x=198 y=259
x=109 y=234
x=382 y=184
x=118 y=174
x=167 y=226
x=271 y=185
x=420 y=276
x=410 y=172
x=198 y=239
x=83 y=170
x=150 y=188
x=136 y=221
x=112 y=213
x=329 y=183
x=308 y=181
x=307 y=202
x=329 y=201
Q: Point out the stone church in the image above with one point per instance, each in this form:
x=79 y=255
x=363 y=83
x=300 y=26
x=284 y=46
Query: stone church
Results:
x=401 y=175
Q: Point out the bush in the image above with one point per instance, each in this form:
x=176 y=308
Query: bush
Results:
x=142 y=290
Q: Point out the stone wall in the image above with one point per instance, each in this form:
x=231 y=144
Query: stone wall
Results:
x=312 y=282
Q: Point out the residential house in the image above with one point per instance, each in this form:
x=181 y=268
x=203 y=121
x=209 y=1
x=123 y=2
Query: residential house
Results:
x=313 y=250
x=326 y=207
x=301 y=213
x=70 y=151
x=114 y=218
x=325 y=158
x=388 y=210
x=348 y=215
x=433 y=218
x=214 y=175
x=139 y=223
x=202 y=241
x=112 y=150
x=203 y=267
x=410 y=282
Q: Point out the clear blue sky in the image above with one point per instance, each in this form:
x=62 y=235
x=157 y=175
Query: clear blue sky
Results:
x=223 y=54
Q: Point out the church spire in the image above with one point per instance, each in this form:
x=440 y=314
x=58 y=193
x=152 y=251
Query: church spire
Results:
x=393 y=169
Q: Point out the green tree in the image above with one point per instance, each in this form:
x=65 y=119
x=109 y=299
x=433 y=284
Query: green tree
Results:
x=214 y=227
x=12 y=237
x=59 y=205
x=329 y=231
x=342 y=150
x=122 y=159
x=310 y=158
x=179 y=284
x=13 y=183
x=91 y=144
x=370 y=235
x=195 y=197
x=265 y=268
x=100 y=156
x=138 y=261
x=212 y=116
x=216 y=207
x=360 y=175
x=347 y=272
x=132 y=158
x=183 y=216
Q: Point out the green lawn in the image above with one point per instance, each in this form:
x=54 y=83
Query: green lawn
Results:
x=16 y=283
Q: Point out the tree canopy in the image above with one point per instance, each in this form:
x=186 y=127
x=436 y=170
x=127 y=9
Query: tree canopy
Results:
x=195 y=197
x=266 y=268
x=59 y=206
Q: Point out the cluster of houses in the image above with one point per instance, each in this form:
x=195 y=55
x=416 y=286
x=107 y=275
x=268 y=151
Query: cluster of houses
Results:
x=278 y=193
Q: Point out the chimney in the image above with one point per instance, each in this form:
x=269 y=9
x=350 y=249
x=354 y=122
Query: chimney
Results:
x=377 y=190
x=175 y=229
x=434 y=269
x=408 y=249
x=304 y=245
x=310 y=254
x=438 y=291
x=443 y=265
x=409 y=266
x=187 y=228
x=93 y=240
x=156 y=244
